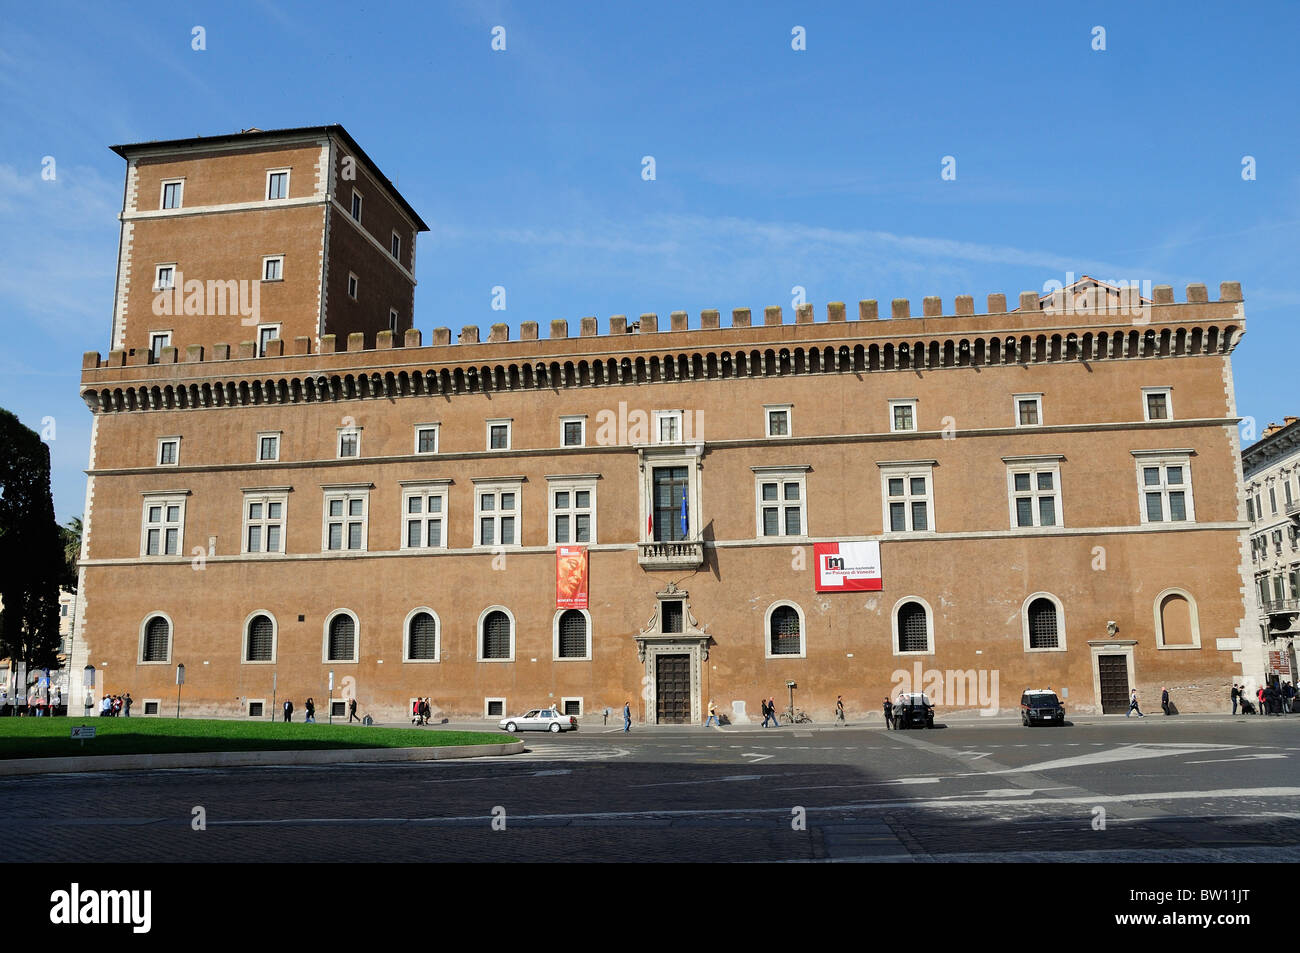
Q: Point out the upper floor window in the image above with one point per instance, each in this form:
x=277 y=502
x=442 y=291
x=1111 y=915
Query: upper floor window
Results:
x=396 y=246
x=352 y=286
x=1035 y=493
x=780 y=500
x=424 y=510
x=902 y=416
x=157 y=341
x=1157 y=403
x=277 y=184
x=498 y=434
x=346 y=514
x=349 y=442
x=164 y=277
x=392 y=320
x=1272 y=500
x=426 y=438
x=1165 y=481
x=1250 y=509
x=163 y=529
x=668 y=426
x=573 y=511
x=169 y=449
x=496 y=514
x=1029 y=410
x=573 y=431
x=264 y=522
x=268 y=447
x=356 y=205
x=777 y=417
x=273 y=268
x=266 y=333
x=173 y=191
x=908 y=498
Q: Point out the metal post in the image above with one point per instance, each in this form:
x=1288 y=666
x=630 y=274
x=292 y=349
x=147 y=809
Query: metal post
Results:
x=273 y=682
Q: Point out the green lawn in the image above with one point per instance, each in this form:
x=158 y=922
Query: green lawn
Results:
x=48 y=737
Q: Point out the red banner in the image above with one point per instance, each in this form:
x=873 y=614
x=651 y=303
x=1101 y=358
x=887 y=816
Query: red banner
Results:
x=571 y=577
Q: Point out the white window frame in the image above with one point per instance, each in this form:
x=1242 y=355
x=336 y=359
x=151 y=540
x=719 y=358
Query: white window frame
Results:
x=157 y=707
x=176 y=454
x=907 y=470
x=686 y=455
x=424 y=489
x=346 y=494
x=661 y=415
x=497 y=487
x=265 y=496
x=354 y=286
x=357 y=207
x=1033 y=466
x=436 y=427
x=1169 y=402
x=171 y=641
x=508 y=423
x=581 y=420
x=275 y=643
x=157 y=276
x=768 y=411
x=180 y=194
x=585 y=482
x=406 y=637
x=780 y=476
x=903 y=402
x=325 y=640
x=164 y=499
x=478 y=635
x=487 y=704
x=257 y=447
x=564 y=699
x=929 y=625
x=338 y=443
x=1017 y=399
x=1163 y=459
x=555 y=637
x=396 y=252
x=1193 y=615
x=263 y=340
x=250 y=702
x=1060 y=621
x=288 y=184
x=767 y=631
x=156 y=349
x=266 y=261
x=393 y=319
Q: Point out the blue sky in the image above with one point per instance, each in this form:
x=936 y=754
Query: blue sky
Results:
x=775 y=168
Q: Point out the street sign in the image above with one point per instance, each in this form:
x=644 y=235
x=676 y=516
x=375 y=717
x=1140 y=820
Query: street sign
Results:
x=83 y=731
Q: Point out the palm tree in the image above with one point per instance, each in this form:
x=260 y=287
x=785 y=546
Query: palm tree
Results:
x=72 y=550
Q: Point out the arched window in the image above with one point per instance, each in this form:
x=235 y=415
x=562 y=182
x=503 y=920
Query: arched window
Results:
x=259 y=639
x=572 y=634
x=342 y=643
x=784 y=633
x=156 y=640
x=422 y=638
x=1042 y=624
x=496 y=635
x=912 y=627
x=1177 y=620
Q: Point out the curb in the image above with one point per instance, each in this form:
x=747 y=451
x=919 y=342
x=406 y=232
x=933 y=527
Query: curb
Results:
x=230 y=759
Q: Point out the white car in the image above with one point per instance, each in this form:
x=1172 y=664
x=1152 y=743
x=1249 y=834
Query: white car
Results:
x=540 y=719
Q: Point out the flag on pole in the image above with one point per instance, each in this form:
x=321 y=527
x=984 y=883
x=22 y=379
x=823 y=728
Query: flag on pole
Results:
x=650 y=526
x=685 y=519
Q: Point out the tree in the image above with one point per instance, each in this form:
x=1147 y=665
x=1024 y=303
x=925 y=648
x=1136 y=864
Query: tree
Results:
x=71 y=531
x=31 y=549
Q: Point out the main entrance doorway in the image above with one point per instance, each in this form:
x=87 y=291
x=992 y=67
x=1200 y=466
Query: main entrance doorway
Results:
x=673 y=689
x=1113 y=672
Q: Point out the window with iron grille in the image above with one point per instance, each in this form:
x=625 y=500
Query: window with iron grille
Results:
x=496 y=707
x=151 y=708
x=913 y=631
x=784 y=632
x=1042 y=625
x=261 y=639
x=573 y=706
x=255 y=709
x=422 y=639
x=496 y=635
x=672 y=616
x=157 y=639
x=573 y=634
x=343 y=639
x=338 y=709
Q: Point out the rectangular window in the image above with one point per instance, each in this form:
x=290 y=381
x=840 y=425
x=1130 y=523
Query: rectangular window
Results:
x=668 y=426
x=157 y=341
x=1157 y=403
x=268 y=447
x=498 y=434
x=164 y=277
x=573 y=513
x=424 y=510
x=264 y=516
x=392 y=320
x=266 y=333
x=172 y=193
x=573 y=431
x=672 y=616
x=346 y=516
x=163 y=525
x=1166 y=488
x=349 y=442
x=169 y=450
x=352 y=286
x=496 y=515
x=426 y=438
x=1035 y=495
x=902 y=416
x=777 y=419
x=780 y=503
x=277 y=184
x=356 y=205
x=273 y=268
x=1029 y=410
x=1272 y=500
x=1250 y=509
x=670 y=489
x=908 y=500
x=396 y=246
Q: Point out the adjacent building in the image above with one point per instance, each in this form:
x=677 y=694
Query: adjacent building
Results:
x=1271 y=467
x=665 y=513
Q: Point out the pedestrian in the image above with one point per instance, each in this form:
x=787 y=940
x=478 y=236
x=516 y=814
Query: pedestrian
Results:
x=426 y=710
x=627 y=717
x=352 y=710
x=889 y=714
x=126 y=705
x=1133 y=705
x=288 y=710
x=1259 y=695
x=713 y=715
x=310 y=708
x=762 y=704
x=104 y=706
x=117 y=706
x=415 y=712
x=839 y=709
x=1236 y=694
x=1164 y=699
x=771 y=706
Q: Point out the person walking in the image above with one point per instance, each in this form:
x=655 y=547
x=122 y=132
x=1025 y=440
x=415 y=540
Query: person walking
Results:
x=713 y=715
x=352 y=710
x=1236 y=694
x=1259 y=695
x=426 y=710
x=415 y=712
x=1133 y=705
x=126 y=706
x=839 y=710
x=889 y=714
x=771 y=706
x=627 y=717
x=310 y=708
x=288 y=710
x=1164 y=699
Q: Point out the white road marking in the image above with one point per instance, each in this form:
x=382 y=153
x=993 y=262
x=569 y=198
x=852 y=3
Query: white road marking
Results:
x=757 y=757
x=1248 y=757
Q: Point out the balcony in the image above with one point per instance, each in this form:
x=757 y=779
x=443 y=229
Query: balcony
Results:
x=1280 y=606
x=1293 y=510
x=671 y=554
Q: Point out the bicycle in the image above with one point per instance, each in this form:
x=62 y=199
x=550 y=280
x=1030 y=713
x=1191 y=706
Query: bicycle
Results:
x=795 y=716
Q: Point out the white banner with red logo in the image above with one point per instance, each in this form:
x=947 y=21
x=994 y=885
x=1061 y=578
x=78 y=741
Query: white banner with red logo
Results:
x=848 y=567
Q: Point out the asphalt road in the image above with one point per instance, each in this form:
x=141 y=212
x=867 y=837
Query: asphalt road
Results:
x=1108 y=790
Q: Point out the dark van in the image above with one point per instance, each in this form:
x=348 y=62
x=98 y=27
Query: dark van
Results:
x=1041 y=707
